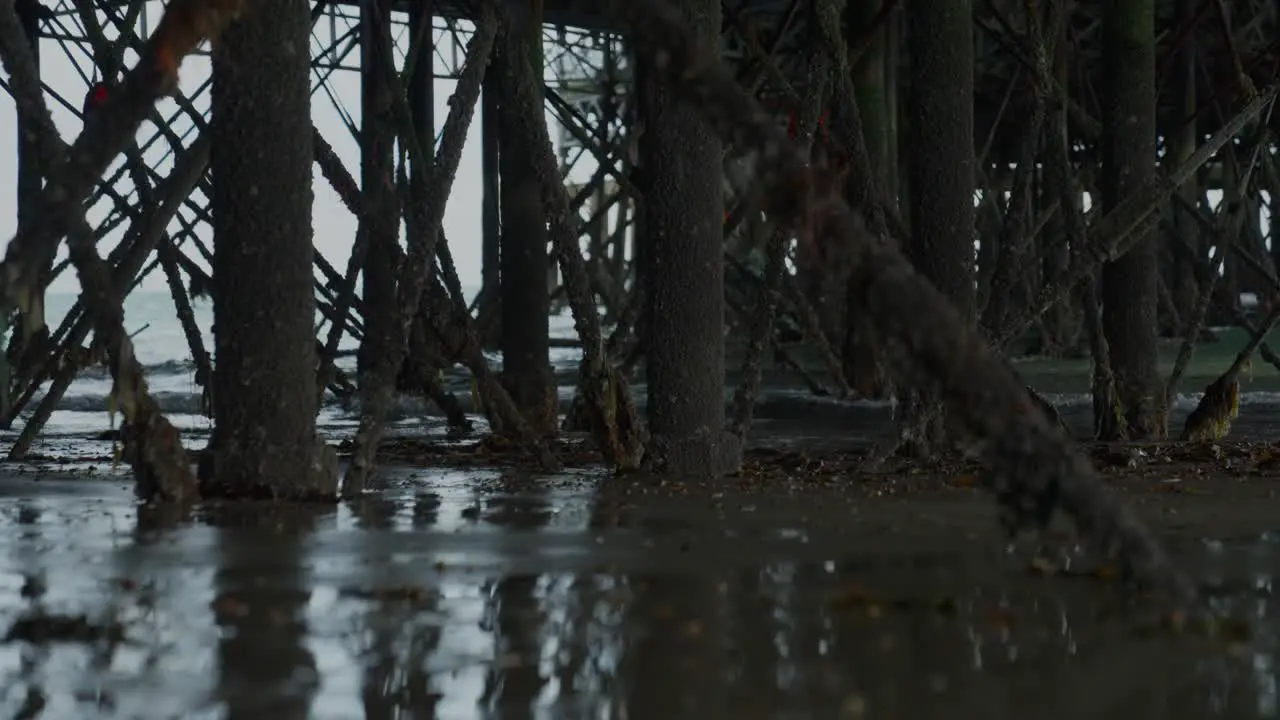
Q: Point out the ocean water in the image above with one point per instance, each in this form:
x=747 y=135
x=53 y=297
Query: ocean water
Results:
x=161 y=346
x=151 y=319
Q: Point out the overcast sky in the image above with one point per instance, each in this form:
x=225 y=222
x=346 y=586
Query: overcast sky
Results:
x=334 y=225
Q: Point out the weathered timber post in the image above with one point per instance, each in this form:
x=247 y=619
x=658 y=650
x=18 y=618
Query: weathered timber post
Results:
x=379 y=216
x=1129 y=284
x=683 y=210
x=490 y=220
x=940 y=173
x=422 y=79
x=30 y=182
x=423 y=359
x=524 y=261
x=264 y=398
x=870 y=82
x=1182 y=145
x=421 y=82
x=30 y=178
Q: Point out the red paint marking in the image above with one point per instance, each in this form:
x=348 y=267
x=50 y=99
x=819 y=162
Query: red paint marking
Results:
x=793 y=122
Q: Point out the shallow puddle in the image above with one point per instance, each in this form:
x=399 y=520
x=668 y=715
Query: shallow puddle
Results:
x=463 y=595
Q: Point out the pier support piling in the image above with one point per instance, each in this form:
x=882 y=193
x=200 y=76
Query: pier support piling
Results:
x=525 y=262
x=683 y=208
x=264 y=440
x=489 y=310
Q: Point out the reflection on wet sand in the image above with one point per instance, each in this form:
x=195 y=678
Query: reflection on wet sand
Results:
x=264 y=588
x=462 y=595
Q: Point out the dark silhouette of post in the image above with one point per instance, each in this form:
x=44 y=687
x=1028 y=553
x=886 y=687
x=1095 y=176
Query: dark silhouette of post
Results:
x=489 y=311
x=1130 y=284
x=940 y=138
x=524 y=260
x=264 y=397
x=940 y=172
x=30 y=178
x=379 y=217
x=680 y=158
x=422 y=80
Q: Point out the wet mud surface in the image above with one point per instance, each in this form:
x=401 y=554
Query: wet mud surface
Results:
x=797 y=590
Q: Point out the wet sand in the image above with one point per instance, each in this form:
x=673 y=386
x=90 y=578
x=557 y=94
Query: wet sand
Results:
x=793 y=591
x=468 y=587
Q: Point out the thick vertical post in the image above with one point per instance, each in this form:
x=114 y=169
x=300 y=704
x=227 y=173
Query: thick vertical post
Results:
x=264 y=306
x=30 y=177
x=421 y=84
x=422 y=80
x=892 y=44
x=1130 y=283
x=379 y=218
x=940 y=43
x=1182 y=145
x=30 y=181
x=940 y=177
x=526 y=304
x=683 y=208
x=491 y=242
x=870 y=84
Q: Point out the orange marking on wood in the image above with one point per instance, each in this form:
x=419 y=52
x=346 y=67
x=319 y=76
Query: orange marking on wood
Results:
x=187 y=23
